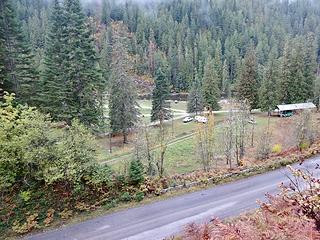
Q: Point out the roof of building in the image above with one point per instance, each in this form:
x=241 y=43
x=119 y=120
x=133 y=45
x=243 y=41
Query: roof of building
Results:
x=296 y=106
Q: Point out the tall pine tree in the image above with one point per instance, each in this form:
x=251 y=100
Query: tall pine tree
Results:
x=18 y=74
x=268 y=97
x=225 y=89
x=123 y=106
x=105 y=12
x=79 y=81
x=298 y=85
x=284 y=91
x=85 y=83
x=218 y=63
x=247 y=85
x=54 y=88
x=211 y=86
x=195 y=97
x=160 y=105
x=310 y=66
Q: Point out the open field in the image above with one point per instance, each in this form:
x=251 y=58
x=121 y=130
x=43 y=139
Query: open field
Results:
x=178 y=109
x=181 y=155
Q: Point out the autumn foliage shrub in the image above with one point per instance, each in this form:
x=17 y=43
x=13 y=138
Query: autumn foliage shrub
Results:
x=277 y=149
x=293 y=214
x=48 y=172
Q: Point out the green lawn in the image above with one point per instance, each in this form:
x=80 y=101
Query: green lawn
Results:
x=146 y=106
x=180 y=156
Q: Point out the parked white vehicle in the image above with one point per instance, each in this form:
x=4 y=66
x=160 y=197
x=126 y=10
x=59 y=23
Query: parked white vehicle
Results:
x=201 y=119
x=187 y=119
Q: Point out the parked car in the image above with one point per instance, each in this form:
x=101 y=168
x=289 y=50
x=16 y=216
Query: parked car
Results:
x=187 y=119
x=286 y=114
x=201 y=119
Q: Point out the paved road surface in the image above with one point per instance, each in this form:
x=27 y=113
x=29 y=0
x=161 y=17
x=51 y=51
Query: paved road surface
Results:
x=162 y=219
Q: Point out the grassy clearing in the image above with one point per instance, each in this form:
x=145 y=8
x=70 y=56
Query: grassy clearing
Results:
x=181 y=155
x=176 y=128
x=147 y=104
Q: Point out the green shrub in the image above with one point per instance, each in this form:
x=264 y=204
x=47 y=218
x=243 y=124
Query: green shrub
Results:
x=126 y=197
x=277 y=149
x=25 y=196
x=121 y=181
x=139 y=196
x=136 y=172
x=101 y=175
x=304 y=145
x=31 y=146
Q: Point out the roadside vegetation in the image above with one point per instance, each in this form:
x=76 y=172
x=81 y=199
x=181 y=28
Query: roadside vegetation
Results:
x=68 y=179
x=292 y=214
x=75 y=135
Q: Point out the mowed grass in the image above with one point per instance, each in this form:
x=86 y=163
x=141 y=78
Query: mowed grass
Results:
x=175 y=130
x=181 y=155
x=181 y=158
x=180 y=105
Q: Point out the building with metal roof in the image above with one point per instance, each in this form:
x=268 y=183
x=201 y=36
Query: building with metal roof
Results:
x=284 y=110
x=296 y=106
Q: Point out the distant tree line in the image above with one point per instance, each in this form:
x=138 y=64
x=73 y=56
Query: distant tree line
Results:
x=58 y=55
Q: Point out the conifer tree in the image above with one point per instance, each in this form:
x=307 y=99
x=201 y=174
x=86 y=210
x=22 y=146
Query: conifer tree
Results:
x=268 y=98
x=151 y=51
x=218 y=63
x=71 y=76
x=136 y=172
x=123 y=106
x=284 y=92
x=195 y=97
x=297 y=87
x=105 y=57
x=211 y=87
x=106 y=11
x=310 y=65
x=54 y=97
x=160 y=105
x=18 y=74
x=247 y=86
x=85 y=83
x=225 y=89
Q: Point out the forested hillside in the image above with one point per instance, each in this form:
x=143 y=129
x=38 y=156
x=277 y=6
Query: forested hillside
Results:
x=180 y=36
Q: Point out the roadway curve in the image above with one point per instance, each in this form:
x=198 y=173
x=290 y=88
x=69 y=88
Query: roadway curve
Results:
x=165 y=218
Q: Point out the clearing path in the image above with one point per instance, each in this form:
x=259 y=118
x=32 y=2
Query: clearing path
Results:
x=165 y=218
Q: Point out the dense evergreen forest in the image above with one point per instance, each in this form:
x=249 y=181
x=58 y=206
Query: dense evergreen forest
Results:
x=61 y=55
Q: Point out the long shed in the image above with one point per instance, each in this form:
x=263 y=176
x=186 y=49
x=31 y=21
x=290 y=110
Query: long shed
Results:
x=288 y=109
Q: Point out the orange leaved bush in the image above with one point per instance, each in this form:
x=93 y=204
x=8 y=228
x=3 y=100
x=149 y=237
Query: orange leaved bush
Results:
x=292 y=214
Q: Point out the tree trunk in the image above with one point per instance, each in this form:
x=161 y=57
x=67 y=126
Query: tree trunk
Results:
x=125 y=137
x=110 y=142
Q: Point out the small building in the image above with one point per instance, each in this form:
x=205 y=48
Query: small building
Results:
x=287 y=110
